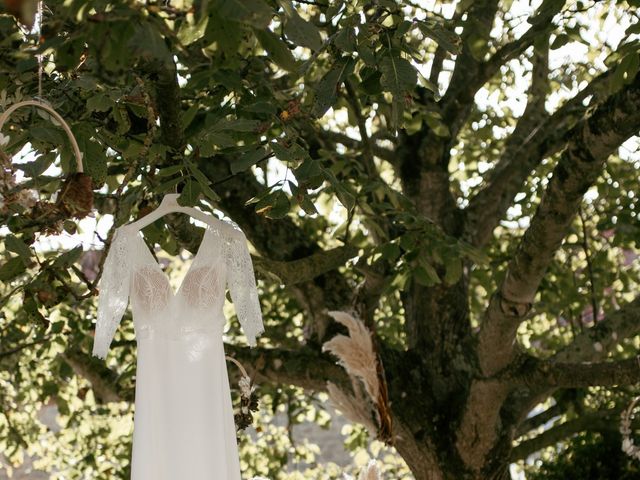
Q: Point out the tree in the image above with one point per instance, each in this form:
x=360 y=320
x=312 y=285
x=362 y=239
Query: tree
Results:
x=491 y=252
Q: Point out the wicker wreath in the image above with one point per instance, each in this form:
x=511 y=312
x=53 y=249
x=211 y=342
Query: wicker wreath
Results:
x=75 y=198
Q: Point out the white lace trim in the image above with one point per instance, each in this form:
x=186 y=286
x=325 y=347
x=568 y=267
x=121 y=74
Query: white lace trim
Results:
x=113 y=294
x=242 y=286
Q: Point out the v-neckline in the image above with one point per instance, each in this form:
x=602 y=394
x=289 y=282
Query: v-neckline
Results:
x=175 y=293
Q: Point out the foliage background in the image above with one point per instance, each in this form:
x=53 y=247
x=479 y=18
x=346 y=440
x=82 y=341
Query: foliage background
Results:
x=262 y=94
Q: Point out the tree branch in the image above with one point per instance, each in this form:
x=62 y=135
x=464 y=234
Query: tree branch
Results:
x=303 y=367
x=471 y=74
x=525 y=149
x=349 y=142
x=549 y=374
x=168 y=104
x=458 y=98
x=541 y=27
x=104 y=381
x=540 y=419
x=594 y=343
x=596 y=421
x=591 y=345
x=308 y=268
x=592 y=141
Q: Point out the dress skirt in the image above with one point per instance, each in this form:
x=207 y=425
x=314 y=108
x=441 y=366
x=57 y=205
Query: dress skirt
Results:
x=183 y=422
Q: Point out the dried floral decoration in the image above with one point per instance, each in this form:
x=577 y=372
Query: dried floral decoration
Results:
x=370 y=472
x=248 y=401
x=357 y=355
x=628 y=445
x=75 y=198
x=76 y=195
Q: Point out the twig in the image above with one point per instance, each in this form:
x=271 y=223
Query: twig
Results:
x=585 y=248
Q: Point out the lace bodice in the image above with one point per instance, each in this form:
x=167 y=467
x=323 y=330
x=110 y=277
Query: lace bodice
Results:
x=131 y=273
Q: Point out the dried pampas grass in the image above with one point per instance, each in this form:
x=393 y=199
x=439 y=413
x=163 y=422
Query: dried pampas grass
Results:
x=355 y=352
x=370 y=472
x=354 y=408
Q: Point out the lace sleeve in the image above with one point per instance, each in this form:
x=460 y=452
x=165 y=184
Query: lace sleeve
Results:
x=113 y=296
x=242 y=287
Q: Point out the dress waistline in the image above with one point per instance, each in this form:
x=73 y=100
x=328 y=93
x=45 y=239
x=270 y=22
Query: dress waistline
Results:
x=177 y=332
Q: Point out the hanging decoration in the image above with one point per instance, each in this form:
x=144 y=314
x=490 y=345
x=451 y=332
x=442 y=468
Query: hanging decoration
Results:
x=75 y=198
x=628 y=445
x=248 y=401
x=358 y=356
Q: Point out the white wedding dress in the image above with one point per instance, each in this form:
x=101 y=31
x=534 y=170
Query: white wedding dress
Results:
x=183 y=422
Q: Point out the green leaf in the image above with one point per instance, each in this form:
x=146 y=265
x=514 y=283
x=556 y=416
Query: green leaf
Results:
x=169 y=185
x=342 y=192
x=287 y=154
x=17 y=245
x=63 y=405
x=345 y=40
x=403 y=28
x=426 y=275
x=261 y=106
x=68 y=258
x=204 y=182
x=99 y=103
x=38 y=166
x=210 y=140
x=225 y=32
x=11 y=269
x=454 y=271
x=326 y=90
x=57 y=327
x=94 y=158
x=248 y=159
x=632 y=29
x=49 y=134
x=560 y=40
x=390 y=251
x=190 y=193
x=190 y=33
x=169 y=171
x=435 y=123
x=626 y=71
x=252 y=12
x=237 y=125
x=367 y=55
x=310 y=168
x=308 y=206
x=278 y=51
x=49 y=388
x=473 y=253
x=149 y=44
x=300 y=31
x=398 y=75
x=274 y=205
x=443 y=37
x=547 y=11
x=120 y=115
x=189 y=115
x=370 y=83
